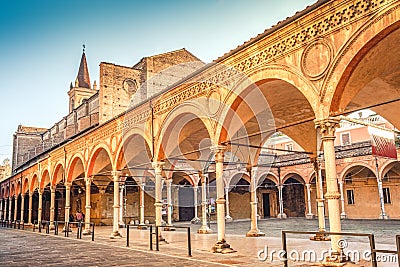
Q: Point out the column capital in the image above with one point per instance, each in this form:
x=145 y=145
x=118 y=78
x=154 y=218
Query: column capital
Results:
x=308 y=185
x=68 y=184
x=157 y=166
x=16 y=196
x=219 y=151
x=53 y=188
x=327 y=127
x=31 y=193
x=40 y=191
x=116 y=174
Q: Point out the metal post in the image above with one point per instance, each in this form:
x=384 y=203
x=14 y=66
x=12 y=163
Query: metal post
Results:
x=78 y=229
x=373 y=252
x=93 y=232
x=284 y=248
x=189 y=243
x=398 y=248
x=127 y=235
x=157 y=241
x=151 y=237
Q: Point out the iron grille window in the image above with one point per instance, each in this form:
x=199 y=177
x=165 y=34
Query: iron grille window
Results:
x=350 y=197
x=386 y=195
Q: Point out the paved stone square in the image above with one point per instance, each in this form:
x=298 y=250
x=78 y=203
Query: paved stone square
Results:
x=25 y=248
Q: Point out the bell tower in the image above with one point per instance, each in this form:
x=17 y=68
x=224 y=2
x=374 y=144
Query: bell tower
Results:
x=81 y=90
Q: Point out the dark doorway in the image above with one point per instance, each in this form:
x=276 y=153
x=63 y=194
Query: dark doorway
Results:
x=186 y=203
x=266 y=207
x=293 y=198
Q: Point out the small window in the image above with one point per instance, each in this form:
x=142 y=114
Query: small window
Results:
x=386 y=195
x=350 y=197
x=345 y=139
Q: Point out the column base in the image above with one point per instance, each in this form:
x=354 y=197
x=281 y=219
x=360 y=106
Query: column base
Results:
x=142 y=227
x=384 y=217
x=52 y=227
x=320 y=236
x=343 y=216
x=121 y=225
x=196 y=220
x=204 y=230
x=281 y=216
x=86 y=232
x=310 y=216
x=255 y=233
x=115 y=235
x=228 y=218
x=222 y=247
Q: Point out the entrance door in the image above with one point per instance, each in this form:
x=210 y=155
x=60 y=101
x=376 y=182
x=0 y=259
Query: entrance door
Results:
x=266 y=207
x=186 y=203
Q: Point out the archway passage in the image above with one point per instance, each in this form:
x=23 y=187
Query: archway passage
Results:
x=293 y=197
x=268 y=193
x=185 y=196
x=372 y=80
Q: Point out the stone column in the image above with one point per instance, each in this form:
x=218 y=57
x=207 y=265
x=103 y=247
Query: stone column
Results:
x=121 y=206
x=9 y=208
x=88 y=182
x=22 y=207
x=204 y=229
x=15 y=207
x=158 y=194
x=383 y=214
x=309 y=214
x=115 y=233
x=67 y=200
x=1 y=209
x=67 y=203
x=30 y=208
x=221 y=246
x=40 y=205
x=52 y=205
x=254 y=231
x=343 y=214
x=195 y=192
x=169 y=201
x=281 y=214
x=327 y=129
x=141 y=200
x=228 y=217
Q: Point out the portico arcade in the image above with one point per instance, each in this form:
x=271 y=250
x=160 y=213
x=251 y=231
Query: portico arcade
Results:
x=295 y=78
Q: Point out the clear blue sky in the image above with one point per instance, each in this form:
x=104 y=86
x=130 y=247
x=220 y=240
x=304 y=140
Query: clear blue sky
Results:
x=41 y=44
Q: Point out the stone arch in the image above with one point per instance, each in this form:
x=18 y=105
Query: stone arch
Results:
x=76 y=168
x=18 y=188
x=185 y=133
x=45 y=178
x=34 y=183
x=244 y=111
x=25 y=185
x=292 y=174
x=268 y=175
x=346 y=170
x=58 y=173
x=387 y=166
x=362 y=69
x=236 y=177
x=130 y=151
x=12 y=190
x=100 y=161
